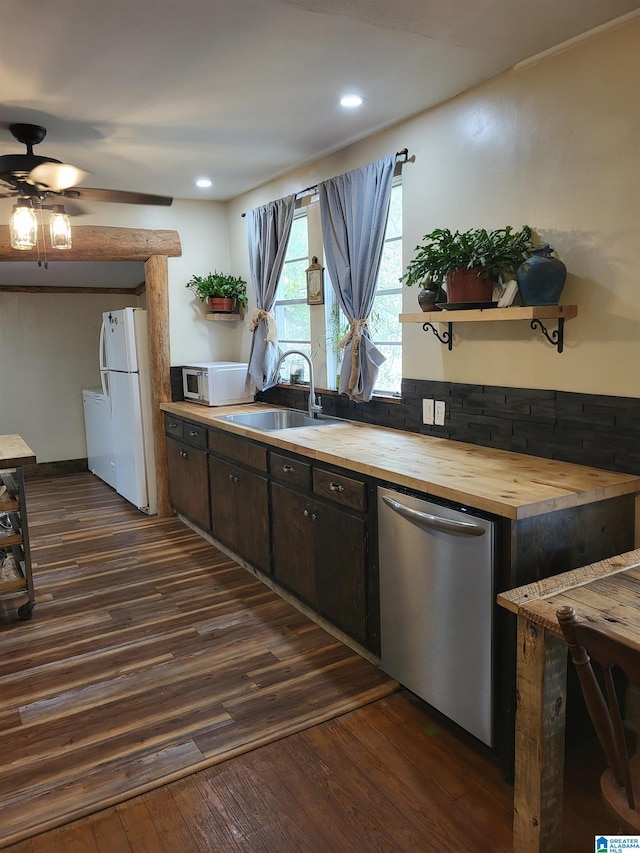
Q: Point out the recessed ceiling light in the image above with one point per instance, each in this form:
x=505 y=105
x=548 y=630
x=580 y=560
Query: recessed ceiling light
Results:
x=351 y=100
x=203 y=182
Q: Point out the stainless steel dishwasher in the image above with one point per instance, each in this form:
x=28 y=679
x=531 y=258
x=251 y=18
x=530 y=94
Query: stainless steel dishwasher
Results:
x=436 y=605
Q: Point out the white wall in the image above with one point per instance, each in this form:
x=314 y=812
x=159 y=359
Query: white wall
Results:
x=48 y=354
x=555 y=145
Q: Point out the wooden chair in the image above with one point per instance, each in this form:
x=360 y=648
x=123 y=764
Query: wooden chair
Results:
x=620 y=782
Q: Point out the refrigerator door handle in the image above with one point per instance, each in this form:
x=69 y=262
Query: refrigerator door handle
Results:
x=434 y=522
x=104 y=380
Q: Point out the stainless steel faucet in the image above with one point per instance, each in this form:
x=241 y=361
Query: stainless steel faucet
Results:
x=314 y=404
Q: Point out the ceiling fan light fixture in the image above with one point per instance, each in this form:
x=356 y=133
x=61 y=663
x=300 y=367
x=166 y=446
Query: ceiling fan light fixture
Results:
x=23 y=226
x=59 y=228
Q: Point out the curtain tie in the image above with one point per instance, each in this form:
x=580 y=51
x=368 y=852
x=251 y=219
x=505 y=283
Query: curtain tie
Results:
x=354 y=334
x=270 y=320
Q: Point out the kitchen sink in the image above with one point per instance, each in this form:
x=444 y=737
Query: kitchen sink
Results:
x=273 y=419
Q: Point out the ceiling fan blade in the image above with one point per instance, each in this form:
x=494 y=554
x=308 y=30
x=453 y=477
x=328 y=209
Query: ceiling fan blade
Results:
x=117 y=196
x=56 y=176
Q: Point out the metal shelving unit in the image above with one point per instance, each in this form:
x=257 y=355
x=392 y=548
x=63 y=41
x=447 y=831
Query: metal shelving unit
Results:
x=16 y=577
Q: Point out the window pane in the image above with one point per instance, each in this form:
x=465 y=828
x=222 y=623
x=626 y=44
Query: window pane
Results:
x=298 y=240
x=290 y=308
x=394 y=223
x=384 y=325
x=293 y=321
x=384 y=317
x=390 y=373
x=293 y=281
x=390 y=266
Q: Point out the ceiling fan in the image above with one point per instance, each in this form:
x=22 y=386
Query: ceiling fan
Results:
x=31 y=176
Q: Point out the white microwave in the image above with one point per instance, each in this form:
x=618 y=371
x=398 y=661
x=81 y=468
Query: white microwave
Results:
x=215 y=383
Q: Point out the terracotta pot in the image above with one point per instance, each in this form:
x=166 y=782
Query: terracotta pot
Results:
x=221 y=306
x=468 y=286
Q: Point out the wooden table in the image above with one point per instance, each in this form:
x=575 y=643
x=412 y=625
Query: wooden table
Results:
x=608 y=592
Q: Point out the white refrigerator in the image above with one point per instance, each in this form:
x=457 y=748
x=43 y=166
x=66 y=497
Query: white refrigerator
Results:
x=126 y=386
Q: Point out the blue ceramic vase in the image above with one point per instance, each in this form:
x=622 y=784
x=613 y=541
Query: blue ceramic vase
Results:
x=541 y=278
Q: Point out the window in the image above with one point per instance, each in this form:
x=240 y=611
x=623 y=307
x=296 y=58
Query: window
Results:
x=290 y=308
x=317 y=329
x=384 y=326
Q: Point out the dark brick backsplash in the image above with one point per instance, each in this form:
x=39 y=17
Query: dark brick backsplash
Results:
x=587 y=429
x=177 y=394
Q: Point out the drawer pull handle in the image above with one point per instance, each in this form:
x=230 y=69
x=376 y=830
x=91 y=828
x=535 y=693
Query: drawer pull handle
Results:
x=307 y=512
x=193 y=432
x=288 y=469
x=173 y=425
x=336 y=487
x=184 y=454
x=233 y=478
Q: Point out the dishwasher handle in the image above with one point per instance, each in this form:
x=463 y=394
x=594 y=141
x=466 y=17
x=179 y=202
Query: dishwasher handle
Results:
x=434 y=522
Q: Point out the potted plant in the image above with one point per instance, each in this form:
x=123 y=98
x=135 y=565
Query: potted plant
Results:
x=223 y=293
x=468 y=263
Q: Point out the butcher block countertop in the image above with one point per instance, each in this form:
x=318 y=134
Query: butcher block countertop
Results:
x=511 y=485
x=14 y=451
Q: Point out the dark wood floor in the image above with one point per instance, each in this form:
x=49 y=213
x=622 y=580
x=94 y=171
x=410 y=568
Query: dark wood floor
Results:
x=388 y=776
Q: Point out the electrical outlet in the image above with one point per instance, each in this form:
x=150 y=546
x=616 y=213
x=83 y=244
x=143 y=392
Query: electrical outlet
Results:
x=427 y=411
x=439 y=412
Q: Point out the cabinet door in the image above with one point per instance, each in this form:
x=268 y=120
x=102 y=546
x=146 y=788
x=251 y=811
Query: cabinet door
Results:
x=293 y=530
x=340 y=550
x=188 y=481
x=240 y=511
x=224 y=511
x=252 y=534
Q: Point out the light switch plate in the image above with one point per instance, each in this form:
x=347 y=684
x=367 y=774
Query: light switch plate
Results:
x=427 y=412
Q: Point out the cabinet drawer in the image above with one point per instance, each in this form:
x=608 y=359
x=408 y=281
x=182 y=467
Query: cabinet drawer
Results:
x=173 y=425
x=291 y=471
x=194 y=434
x=341 y=489
x=252 y=455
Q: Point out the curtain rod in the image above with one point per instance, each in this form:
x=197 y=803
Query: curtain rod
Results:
x=404 y=153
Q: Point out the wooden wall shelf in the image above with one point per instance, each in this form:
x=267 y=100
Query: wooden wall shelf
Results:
x=533 y=313
x=211 y=315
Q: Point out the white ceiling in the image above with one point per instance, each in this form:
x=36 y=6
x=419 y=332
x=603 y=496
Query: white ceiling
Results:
x=148 y=95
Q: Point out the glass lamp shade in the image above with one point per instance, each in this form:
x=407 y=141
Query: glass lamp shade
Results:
x=60 y=228
x=23 y=226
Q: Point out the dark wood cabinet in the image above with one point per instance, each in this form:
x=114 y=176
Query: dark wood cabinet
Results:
x=308 y=524
x=240 y=498
x=188 y=481
x=293 y=542
x=240 y=511
x=341 y=551
x=320 y=542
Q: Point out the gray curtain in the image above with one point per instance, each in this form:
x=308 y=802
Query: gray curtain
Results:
x=268 y=228
x=353 y=211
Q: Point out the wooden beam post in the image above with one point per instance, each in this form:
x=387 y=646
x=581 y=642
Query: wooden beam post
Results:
x=157 y=289
x=541 y=692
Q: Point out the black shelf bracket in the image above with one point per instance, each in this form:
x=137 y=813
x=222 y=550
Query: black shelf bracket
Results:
x=445 y=337
x=556 y=338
